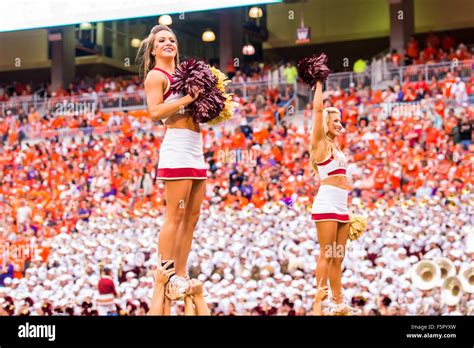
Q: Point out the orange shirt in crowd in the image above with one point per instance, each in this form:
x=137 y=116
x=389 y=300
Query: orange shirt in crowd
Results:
x=432 y=135
x=412 y=49
x=440 y=107
x=381 y=178
x=239 y=141
x=268 y=117
x=447 y=85
x=261 y=135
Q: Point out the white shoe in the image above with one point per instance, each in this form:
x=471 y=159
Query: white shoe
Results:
x=180 y=282
x=326 y=307
x=344 y=309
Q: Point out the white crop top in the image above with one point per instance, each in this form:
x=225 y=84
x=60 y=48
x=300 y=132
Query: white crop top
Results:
x=169 y=95
x=333 y=165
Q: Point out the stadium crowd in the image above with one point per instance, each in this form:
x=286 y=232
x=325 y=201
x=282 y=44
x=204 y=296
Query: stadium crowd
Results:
x=436 y=49
x=90 y=200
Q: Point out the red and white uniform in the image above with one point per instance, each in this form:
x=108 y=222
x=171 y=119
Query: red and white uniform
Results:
x=169 y=95
x=106 y=299
x=181 y=153
x=330 y=203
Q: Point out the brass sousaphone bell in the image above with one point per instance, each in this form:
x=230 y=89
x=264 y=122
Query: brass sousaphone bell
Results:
x=451 y=291
x=466 y=276
x=446 y=267
x=425 y=274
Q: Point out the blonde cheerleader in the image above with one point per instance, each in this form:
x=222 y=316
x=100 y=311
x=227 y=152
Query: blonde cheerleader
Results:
x=330 y=211
x=181 y=160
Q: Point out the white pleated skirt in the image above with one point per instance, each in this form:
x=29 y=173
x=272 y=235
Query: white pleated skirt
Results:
x=330 y=204
x=181 y=156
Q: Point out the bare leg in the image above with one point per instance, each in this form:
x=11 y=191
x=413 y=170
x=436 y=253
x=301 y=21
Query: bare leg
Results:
x=335 y=267
x=187 y=226
x=177 y=195
x=327 y=232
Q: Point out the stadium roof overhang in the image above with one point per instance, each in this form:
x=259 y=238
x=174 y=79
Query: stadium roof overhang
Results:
x=30 y=14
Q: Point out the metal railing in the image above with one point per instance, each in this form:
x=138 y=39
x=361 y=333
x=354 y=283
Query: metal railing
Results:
x=397 y=110
x=346 y=79
x=81 y=132
x=76 y=105
x=253 y=88
x=109 y=102
x=376 y=74
x=427 y=71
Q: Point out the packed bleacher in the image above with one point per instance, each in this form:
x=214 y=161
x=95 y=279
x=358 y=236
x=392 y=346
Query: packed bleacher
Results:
x=433 y=49
x=90 y=199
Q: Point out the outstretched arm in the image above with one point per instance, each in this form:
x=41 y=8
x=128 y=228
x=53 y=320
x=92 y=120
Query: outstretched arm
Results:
x=161 y=275
x=157 y=302
x=167 y=310
x=317 y=132
x=189 y=306
x=201 y=305
x=196 y=291
x=321 y=294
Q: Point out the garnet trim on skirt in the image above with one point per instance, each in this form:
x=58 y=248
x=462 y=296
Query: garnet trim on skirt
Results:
x=181 y=173
x=330 y=216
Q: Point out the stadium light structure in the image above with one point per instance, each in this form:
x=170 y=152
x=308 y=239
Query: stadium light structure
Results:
x=27 y=14
x=85 y=26
x=255 y=12
x=165 y=20
x=135 y=43
x=248 y=50
x=208 y=36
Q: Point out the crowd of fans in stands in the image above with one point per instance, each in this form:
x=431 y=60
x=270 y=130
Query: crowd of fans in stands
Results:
x=91 y=200
x=435 y=49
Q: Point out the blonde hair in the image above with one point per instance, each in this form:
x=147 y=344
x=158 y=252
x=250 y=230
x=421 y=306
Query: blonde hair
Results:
x=331 y=146
x=144 y=59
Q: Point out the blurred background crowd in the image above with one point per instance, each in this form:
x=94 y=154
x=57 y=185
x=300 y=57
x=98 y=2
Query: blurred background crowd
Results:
x=78 y=194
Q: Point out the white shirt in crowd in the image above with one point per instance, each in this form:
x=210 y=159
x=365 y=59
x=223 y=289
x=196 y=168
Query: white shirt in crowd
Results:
x=23 y=214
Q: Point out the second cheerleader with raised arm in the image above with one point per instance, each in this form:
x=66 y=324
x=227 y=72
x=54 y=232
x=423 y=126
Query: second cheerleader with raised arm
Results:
x=330 y=211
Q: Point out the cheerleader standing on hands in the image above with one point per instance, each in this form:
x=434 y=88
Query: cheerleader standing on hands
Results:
x=330 y=211
x=181 y=161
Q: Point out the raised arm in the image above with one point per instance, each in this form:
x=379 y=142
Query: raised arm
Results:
x=161 y=275
x=317 y=132
x=167 y=309
x=196 y=291
x=154 y=86
x=189 y=306
x=321 y=294
x=157 y=302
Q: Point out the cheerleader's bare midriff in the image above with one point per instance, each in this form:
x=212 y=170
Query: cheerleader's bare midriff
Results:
x=338 y=181
x=183 y=121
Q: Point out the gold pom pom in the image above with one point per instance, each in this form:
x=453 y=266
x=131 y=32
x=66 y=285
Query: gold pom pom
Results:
x=222 y=79
x=357 y=226
x=227 y=113
x=229 y=106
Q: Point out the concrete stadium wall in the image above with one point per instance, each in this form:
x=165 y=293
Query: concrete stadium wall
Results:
x=31 y=46
x=348 y=20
